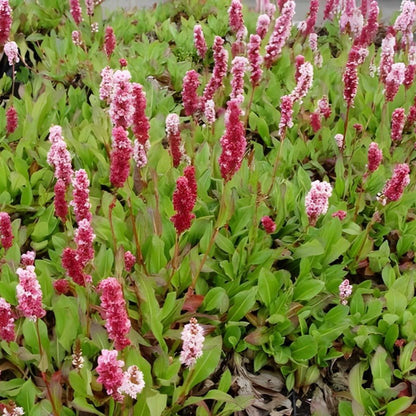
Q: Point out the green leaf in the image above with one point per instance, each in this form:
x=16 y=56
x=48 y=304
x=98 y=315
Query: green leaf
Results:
x=81 y=404
x=156 y=402
x=268 y=286
x=27 y=395
x=307 y=289
x=396 y=302
x=304 y=348
x=66 y=329
x=216 y=298
x=309 y=249
x=381 y=371
x=206 y=364
x=399 y=405
x=242 y=304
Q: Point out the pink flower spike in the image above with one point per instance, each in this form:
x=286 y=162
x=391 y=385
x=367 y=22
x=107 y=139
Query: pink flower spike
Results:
x=120 y=156
x=84 y=237
x=324 y=107
x=268 y=224
x=398 y=119
x=11 y=120
x=209 y=112
x=73 y=268
x=299 y=61
x=313 y=42
x=80 y=194
x=235 y=18
x=199 y=41
x=61 y=286
x=6 y=233
x=140 y=153
x=132 y=383
x=6 y=321
x=312 y=16
x=238 y=68
x=233 y=142
x=184 y=199
x=394 y=79
x=129 y=260
x=76 y=38
x=58 y=155
x=174 y=138
x=409 y=76
x=61 y=206
x=340 y=214
x=219 y=71
x=12 y=52
x=253 y=52
x=106 y=86
x=28 y=259
x=29 y=294
x=109 y=41
x=121 y=105
x=280 y=33
x=5 y=21
x=393 y=190
x=286 y=112
x=370 y=29
x=270 y=10
x=193 y=342
x=350 y=77
x=110 y=373
x=75 y=9
x=315 y=120
x=387 y=56
x=191 y=101
x=351 y=20
x=339 y=139
x=406 y=20
x=114 y=312
x=90 y=7
x=375 y=156
x=304 y=82
x=316 y=201
x=263 y=23
x=345 y=291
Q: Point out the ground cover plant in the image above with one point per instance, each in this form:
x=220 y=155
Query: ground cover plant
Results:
x=206 y=209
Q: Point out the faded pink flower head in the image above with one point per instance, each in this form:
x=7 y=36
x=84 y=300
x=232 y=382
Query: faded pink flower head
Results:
x=84 y=237
x=6 y=233
x=393 y=190
x=233 y=142
x=12 y=52
x=409 y=76
x=351 y=20
x=129 y=260
x=375 y=156
x=80 y=194
x=11 y=120
x=312 y=16
x=370 y=29
x=106 y=86
x=199 y=41
x=316 y=201
x=89 y=4
x=109 y=41
x=406 y=20
x=299 y=61
x=340 y=214
x=253 y=52
x=6 y=321
x=350 y=76
x=132 y=383
x=304 y=82
x=324 y=107
x=339 y=140
x=219 y=71
x=121 y=105
x=184 y=199
x=313 y=41
x=76 y=38
x=193 y=342
x=140 y=153
x=28 y=259
x=121 y=152
x=280 y=33
x=110 y=373
x=238 y=68
x=345 y=290
x=174 y=138
x=5 y=21
x=286 y=112
x=394 y=79
x=209 y=112
x=58 y=155
x=270 y=10
x=75 y=9
x=268 y=224
x=29 y=294
x=191 y=101
x=387 y=56
x=398 y=119
x=114 y=312
x=263 y=23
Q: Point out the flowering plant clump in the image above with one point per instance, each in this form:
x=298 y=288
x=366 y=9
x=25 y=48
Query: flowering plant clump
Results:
x=245 y=175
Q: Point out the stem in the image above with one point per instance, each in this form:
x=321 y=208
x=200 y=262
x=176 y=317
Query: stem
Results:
x=136 y=237
x=174 y=260
x=276 y=164
x=110 y=218
x=357 y=205
x=250 y=102
x=48 y=389
x=346 y=123
x=13 y=79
